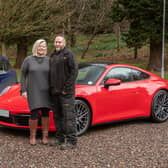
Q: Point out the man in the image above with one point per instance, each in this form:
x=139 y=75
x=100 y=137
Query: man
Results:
x=63 y=72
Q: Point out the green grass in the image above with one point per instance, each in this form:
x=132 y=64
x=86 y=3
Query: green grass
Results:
x=100 y=54
x=100 y=42
x=81 y=38
x=78 y=49
x=103 y=46
x=18 y=72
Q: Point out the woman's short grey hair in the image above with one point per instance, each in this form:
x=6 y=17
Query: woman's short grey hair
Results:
x=35 y=46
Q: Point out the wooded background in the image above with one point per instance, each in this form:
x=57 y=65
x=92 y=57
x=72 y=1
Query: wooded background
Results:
x=138 y=23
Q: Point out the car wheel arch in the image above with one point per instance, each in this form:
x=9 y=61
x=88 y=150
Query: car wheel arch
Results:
x=152 y=113
x=87 y=102
x=90 y=109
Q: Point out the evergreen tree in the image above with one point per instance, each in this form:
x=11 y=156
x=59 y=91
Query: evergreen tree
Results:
x=145 y=17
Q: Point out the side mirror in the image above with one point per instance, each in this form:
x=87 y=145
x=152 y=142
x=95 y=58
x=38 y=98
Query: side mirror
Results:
x=111 y=82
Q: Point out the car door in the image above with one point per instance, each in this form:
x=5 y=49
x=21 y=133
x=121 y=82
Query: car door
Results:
x=121 y=101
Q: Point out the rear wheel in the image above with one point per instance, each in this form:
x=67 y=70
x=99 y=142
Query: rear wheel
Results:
x=83 y=116
x=160 y=106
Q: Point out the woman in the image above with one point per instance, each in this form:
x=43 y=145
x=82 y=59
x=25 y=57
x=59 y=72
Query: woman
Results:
x=35 y=87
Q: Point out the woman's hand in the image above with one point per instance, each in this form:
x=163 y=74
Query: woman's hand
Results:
x=24 y=95
x=64 y=93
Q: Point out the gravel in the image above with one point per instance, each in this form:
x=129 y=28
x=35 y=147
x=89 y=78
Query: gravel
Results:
x=135 y=144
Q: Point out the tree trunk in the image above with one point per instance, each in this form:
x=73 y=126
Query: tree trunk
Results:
x=118 y=37
x=72 y=39
x=71 y=34
x=135 y=52
x=155 y=55
x=4 y=51
x=117 y=31
x=21 y=53
x=88 y=45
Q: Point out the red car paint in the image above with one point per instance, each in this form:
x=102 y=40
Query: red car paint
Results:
x=117 y=102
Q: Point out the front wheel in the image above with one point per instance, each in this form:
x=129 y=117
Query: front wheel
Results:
x=83 y=116
x=160 y=106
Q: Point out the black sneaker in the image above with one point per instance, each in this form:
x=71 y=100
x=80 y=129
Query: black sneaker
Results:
x=66 y=146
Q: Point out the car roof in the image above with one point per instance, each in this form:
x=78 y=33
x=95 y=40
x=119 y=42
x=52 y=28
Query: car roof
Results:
x=4 y=59
x=102 y=64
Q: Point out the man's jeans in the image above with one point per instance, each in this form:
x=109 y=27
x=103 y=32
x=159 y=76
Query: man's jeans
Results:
x=65 y=118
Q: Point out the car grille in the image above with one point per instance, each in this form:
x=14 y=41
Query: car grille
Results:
x=7 y=120
x=19 y=119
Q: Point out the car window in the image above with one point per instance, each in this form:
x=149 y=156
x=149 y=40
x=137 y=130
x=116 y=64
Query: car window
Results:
x=138 y=75
x=88 y=75
x=4 y=66
x=125 y=74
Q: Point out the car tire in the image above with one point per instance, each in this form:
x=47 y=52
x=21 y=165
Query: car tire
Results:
x=83 y=116
x=160 y=106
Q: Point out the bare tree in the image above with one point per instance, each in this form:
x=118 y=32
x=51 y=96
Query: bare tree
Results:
x=95 y=19
x=24 y=21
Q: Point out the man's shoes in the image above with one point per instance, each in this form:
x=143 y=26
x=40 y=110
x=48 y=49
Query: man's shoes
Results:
x=66 y=146
x=55 y=143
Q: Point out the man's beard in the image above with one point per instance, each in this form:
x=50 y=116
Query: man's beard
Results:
x=59 y=49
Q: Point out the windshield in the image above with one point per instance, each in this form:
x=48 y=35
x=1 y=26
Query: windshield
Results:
x=4 y=67
x=89 y=74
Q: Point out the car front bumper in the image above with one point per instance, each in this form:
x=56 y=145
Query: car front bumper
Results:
x=21 y=120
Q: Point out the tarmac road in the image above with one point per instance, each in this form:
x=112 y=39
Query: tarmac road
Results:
x=135 y=144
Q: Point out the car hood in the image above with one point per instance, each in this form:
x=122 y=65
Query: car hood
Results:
x=84 y=90
x=15 y=104
x=13 y=101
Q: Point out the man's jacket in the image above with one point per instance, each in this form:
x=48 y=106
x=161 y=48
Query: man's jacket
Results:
x=63 y=72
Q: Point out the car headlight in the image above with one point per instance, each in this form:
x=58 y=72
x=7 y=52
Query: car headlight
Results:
x=5 y=90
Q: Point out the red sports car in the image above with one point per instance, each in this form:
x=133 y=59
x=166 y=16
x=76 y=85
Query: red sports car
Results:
x=104 y=93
